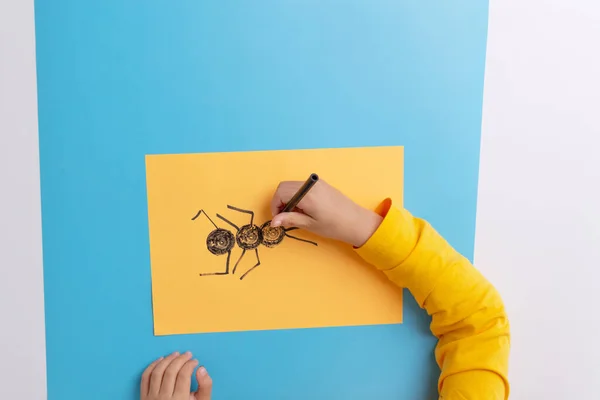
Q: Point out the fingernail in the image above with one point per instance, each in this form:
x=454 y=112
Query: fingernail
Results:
x=202 y=371
x=275 y=223
x=188 y=353
x=176 y=353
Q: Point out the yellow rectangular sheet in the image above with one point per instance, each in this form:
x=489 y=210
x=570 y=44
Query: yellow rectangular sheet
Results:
x=296 y=285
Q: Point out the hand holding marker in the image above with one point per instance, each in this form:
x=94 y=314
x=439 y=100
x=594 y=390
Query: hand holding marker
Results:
x=310 y=182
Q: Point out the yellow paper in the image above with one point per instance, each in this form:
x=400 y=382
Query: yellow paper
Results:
x=297 y=284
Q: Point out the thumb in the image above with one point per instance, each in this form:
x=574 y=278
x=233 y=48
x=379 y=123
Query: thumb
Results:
x=292 y=220
x=204 y=385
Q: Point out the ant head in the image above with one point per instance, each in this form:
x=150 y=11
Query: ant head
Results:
x=220 y=241
x=271 y=236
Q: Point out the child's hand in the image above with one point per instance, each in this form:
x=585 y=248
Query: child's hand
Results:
x=170 y=378
x=325 y=211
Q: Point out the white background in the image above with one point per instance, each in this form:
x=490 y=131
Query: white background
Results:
x=538 y=217
x=22 y=343
x=538 y=221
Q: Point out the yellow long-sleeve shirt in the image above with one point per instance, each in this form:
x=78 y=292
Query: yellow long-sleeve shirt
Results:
x=468 y=315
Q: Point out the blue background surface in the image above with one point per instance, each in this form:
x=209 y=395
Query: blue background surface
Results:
x=118 y=79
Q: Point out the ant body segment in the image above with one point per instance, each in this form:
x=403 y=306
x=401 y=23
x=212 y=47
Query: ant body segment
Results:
x=248 y=237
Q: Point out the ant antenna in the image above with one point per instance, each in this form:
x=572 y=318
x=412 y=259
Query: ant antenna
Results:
x=204 y=212
x=300 y=240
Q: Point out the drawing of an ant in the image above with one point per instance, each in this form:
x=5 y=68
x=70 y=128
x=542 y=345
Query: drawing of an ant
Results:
x=248 y=237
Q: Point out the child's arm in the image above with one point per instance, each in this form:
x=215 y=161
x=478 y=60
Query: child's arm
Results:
x=468 y=314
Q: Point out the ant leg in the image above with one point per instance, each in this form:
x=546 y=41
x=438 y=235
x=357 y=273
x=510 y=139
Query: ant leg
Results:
x=244 y=211
x=302 y=240
x=229 y=222
x=238 y=261
x=226 y=267
x=204 y=212
x=257 y=264
x=290 y=229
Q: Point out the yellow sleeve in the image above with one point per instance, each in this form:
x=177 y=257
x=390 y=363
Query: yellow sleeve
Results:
x=468 y=315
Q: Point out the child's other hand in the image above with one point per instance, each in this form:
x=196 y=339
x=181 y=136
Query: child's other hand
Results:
x=325 y=211
x=170 y=378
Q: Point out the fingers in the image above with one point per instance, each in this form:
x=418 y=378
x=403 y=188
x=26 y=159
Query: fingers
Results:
x=204 y=384
x=145 y=384
x=156 y=376
x=285 y=191
x=184 y=379
x=168 y=381
x=292 y=219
